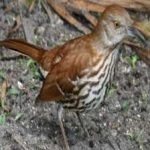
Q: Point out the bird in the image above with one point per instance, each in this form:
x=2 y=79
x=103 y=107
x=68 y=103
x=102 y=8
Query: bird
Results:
x=80 y=71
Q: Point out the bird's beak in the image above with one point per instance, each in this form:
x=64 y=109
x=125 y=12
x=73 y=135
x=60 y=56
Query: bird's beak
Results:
x=134 y=33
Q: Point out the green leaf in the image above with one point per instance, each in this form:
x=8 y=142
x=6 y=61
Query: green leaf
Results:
x=18 y=116
x=140 y=134
x=14 y=91
x=30 y=63
x=2 y=119
x=132 y=136
x=125 y=105
x=144 y=96
x=134 y=60
x=111 y=91
x=2 y=74
x=37 y=74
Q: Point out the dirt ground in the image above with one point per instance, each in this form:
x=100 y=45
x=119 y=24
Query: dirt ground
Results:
x=122 y=122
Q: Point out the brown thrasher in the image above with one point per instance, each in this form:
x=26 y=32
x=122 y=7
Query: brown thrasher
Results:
x=80 y=71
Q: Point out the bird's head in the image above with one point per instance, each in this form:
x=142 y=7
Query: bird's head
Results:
x=115 y=25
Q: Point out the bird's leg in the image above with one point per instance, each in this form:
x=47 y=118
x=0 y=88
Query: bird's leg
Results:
x=60 y=115
x=84 y=128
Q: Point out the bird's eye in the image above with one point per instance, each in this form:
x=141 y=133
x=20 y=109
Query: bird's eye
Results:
x=116 y=24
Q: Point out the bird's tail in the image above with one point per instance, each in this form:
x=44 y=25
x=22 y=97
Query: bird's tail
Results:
x=25 y=48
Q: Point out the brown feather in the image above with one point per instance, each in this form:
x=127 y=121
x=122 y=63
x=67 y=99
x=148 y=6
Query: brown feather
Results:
x=74 y=57
x=64 y=63
x=25 y=48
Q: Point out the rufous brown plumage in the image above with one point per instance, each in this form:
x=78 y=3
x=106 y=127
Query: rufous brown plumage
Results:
x=80 y=71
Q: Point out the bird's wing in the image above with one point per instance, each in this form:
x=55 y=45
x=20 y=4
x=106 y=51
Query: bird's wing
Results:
x=67 y=66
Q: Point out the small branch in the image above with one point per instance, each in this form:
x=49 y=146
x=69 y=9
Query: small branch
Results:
x=65 y=15
x=17 y=139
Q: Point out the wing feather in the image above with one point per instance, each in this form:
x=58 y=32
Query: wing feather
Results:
x=72 y=63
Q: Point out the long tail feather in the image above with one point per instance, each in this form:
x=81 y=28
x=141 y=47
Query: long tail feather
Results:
x=23 y=47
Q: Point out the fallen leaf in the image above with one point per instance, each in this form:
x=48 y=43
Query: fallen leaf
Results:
x=3 y=90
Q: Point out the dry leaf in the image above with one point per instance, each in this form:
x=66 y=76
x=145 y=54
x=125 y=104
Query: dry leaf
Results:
x=3 y=90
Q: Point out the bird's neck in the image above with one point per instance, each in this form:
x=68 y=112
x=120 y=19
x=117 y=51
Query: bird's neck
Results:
x=102 y=41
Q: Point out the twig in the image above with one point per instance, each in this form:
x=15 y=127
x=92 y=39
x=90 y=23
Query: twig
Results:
x=85 y=13
x=27 y=28
x=65 y=15
x=47 y=9
x=87 y=5
x=20 y=142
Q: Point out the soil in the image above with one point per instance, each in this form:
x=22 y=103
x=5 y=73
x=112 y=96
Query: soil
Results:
x=122 y=122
